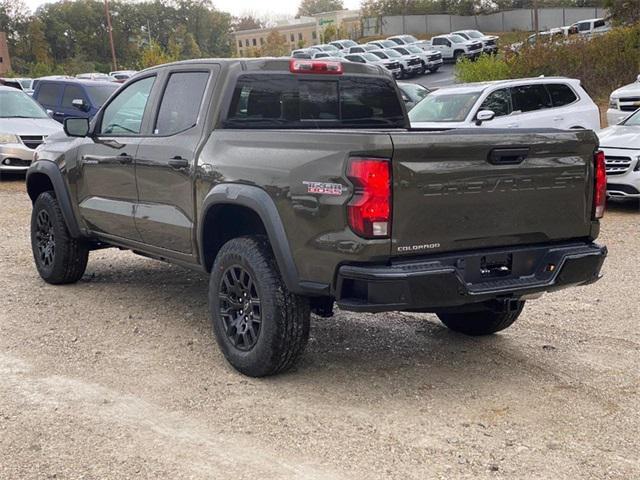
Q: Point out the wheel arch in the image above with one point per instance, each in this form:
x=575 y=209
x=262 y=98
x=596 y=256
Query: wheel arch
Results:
x=253 y=212
x=43 y=176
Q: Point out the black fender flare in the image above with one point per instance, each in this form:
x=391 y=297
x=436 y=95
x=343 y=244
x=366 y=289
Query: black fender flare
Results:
x=261 y=203
x=53 y=173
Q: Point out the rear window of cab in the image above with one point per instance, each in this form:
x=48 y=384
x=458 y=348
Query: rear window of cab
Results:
x=286 y=101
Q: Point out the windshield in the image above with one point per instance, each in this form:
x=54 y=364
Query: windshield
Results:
x=449 y=107
x=409 y=39
x=380 y=54
x=474 y=34
x=329 y=48
x=457 y=39
x=349 y=43
x=17 y=104
x=370 y=57
x=402 y=51
x=100 y=93
x=633 y=120
x=413 y=49
x=392 y=54
x=415 y=91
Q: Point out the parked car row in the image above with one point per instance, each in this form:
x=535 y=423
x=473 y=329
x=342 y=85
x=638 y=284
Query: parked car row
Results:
x=589 y=27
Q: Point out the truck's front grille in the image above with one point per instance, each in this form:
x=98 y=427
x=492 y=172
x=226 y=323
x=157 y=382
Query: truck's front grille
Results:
x=475 y=46
x=437 y=56
x=415 y=61
x=32 y=141
x=491 y=42
x=617 y=165
x=393 y=66
x=629 y=104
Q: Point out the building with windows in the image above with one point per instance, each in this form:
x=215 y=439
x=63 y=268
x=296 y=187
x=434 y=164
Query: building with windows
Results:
x=5 y=61
x=299 y=32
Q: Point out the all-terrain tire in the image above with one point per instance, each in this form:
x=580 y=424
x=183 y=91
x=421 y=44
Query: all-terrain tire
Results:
x=277 y=342
x=59 y=257
x=481 y=322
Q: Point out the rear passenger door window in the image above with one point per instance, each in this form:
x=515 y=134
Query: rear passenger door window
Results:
x=499 y=102
x=181 y=102
x=529 y=98
x=561 y=94
x=49 y=94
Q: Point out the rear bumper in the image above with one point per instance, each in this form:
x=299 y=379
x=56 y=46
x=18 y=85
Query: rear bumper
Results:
x=439 y=282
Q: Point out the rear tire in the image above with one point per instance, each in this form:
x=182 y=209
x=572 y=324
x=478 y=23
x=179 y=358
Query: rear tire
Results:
x=245 y=279
x=481 y=322
x=59 y=257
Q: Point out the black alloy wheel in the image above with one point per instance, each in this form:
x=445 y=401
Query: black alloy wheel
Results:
x=240 y=308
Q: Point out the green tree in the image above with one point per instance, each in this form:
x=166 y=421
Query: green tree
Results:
x=275 y=45
x=624 y=12
x=153 y=55
x=311 y=7
x=246 y=22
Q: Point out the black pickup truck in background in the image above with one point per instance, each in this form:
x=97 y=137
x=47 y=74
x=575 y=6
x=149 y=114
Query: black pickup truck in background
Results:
x=297 y=184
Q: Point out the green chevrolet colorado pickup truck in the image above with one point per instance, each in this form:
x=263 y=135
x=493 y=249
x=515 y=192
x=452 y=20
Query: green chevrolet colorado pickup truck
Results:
x=297 y=184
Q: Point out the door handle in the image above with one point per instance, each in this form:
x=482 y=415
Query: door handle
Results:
x=178 y=162
x=508 y=156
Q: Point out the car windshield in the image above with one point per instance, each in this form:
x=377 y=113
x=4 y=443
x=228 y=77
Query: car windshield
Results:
x=457 y=39
x=392 y=54
x=329 y=48
x=413 y=49
x=446 y=107
x=349 y=43
x=409 y=39
x=415 y=91
x=370 y=57
x=17 y=104
x=633 y=120
x=474 y=34
x=401 y=50
x=100 y=93
x=380 y=53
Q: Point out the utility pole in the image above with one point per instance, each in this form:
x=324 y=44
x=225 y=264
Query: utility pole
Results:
x=110 y=30
x=535 y=16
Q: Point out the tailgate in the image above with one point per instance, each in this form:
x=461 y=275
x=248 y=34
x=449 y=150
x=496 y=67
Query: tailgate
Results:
x=479 y=188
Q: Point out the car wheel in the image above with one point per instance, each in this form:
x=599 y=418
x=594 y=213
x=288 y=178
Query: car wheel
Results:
x=457 y=55
x=484 y=321
x=59 y=257
x=261 y=327
x=434 y=70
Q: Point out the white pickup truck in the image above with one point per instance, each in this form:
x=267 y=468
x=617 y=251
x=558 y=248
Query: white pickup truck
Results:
x=453 y=47
x=623 y=102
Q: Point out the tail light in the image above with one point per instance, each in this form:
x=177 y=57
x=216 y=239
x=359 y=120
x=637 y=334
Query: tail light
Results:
x=600 y=191
x=369 y=210
x=315 y=66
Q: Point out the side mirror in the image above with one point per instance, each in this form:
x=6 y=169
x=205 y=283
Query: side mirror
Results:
x=50 y=112
x=484 y=116
x=79 y=104
x=638 y=79
x=76 y=127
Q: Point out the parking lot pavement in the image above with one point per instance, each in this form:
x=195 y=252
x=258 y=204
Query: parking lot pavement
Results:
x=443 y=77
x=119 y=376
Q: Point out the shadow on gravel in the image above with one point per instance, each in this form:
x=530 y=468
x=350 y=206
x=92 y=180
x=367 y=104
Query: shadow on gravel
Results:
x=403 y=354
x=623 y=206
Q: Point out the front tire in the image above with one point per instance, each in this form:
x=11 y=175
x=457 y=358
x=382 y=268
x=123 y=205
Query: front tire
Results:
x=261 y=327
x=481 y=322
x=434 y=70
x=59 y=257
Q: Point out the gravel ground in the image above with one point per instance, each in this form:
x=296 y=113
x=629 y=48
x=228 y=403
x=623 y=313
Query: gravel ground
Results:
x=119 y=377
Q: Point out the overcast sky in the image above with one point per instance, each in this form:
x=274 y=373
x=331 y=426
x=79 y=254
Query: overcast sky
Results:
x=239 y=7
